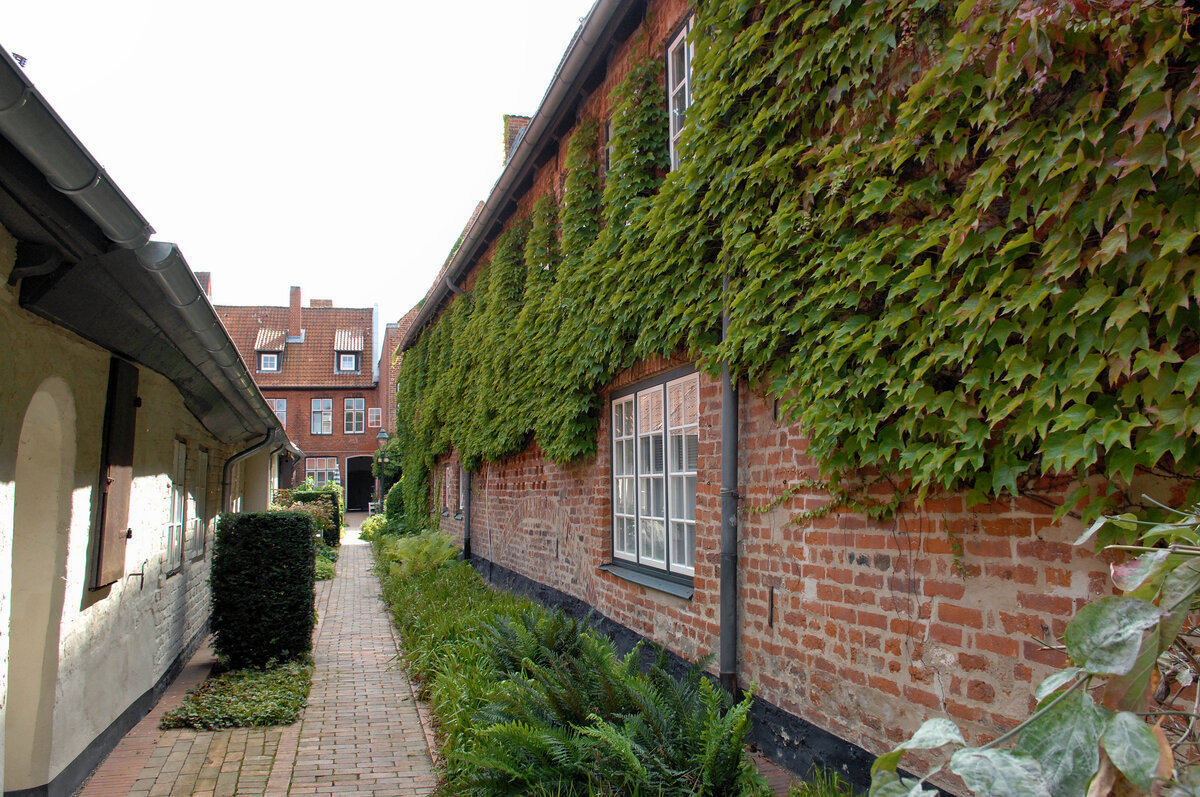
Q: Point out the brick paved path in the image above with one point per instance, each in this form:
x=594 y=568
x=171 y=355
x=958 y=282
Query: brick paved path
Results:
x=362 y=733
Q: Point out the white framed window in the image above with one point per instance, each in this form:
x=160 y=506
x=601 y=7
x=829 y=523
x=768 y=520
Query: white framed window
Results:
x=458 y=508
x=679 y=88
x=655 y=445
x=355 y=416
x=375 y=417
x=446 y=491
x=322 y=470
x=279 y=405
x=198 y=528
x=268 y=362
x=322 y=416
x=178 y=515
x=347 y=362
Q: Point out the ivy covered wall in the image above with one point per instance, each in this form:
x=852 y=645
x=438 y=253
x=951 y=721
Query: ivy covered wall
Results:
x=960 y=239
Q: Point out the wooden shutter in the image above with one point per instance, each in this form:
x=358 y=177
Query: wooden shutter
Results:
x=116 y=471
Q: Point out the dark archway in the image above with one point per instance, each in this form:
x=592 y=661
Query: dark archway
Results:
x=359 y=483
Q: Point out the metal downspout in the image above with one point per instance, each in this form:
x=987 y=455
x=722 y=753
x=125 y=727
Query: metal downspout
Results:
x=729 y=508
x=227 y=470
x=466 y=553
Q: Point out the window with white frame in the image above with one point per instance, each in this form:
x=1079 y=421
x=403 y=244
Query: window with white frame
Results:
x=679 y=88
x=355 y=417
x=280 y=407
x=458 y=507
x=178 y=508
x=375 y=417
x=268 y=361
x=198 y=528
x=347 y=362
x=655 y=444
x=446 y=491
x=322 y=416
x=322 y=470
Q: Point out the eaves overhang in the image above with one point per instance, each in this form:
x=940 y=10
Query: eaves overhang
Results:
x=581 y=71
x=90 y=267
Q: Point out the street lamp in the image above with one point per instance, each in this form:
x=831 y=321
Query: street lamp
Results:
x=383 y=438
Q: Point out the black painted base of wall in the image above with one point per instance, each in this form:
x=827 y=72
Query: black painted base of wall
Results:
x=75 y=773
x=786 y=739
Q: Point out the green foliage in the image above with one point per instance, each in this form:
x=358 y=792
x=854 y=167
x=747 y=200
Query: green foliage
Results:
x=530 y=701
x=262 y=587
x=385 y=464
x=960 y=239
x=326 y=560
x=251 y=698
x=1119 y=719
x=822 y=782
x=393 y=505
x=324 y=504
x=407 y=556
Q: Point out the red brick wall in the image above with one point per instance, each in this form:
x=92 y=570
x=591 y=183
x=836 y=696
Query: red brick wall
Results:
x=865 y=628
x=339 y=444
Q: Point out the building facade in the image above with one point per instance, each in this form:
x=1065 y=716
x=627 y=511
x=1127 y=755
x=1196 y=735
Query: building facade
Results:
x=319 y=368
x=126 y=426
x=697 y=516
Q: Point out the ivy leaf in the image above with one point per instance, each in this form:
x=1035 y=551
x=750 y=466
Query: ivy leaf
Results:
x=999 y=772
x=1055 y=681
x=1131 y=745
x=1128 y=576
x=1104 y=636
x=1152 y=108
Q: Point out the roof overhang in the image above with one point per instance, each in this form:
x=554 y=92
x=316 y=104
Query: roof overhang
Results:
x=85 y=262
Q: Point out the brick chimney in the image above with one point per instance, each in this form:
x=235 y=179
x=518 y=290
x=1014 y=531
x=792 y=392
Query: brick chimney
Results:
x=514 y=126
x=205 y=280
x=295 y=331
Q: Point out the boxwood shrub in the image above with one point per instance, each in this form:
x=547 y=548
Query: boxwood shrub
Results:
x=329 y=496
x=263 y=587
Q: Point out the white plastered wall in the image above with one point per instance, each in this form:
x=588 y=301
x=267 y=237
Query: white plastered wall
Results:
x=102 y=650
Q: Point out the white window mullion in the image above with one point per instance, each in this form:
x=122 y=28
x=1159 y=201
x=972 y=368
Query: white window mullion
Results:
x=624 y=474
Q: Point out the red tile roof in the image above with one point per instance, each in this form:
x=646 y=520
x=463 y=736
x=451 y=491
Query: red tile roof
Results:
x=309 y=363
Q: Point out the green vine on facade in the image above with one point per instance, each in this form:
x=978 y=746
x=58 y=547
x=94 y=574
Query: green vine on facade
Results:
x=960 y=240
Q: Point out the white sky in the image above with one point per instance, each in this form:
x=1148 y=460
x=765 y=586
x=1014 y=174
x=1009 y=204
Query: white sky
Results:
x=336 y=146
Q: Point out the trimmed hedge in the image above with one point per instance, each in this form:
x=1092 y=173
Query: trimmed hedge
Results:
x=393 y=504
x=332 y=536
x=263 y=587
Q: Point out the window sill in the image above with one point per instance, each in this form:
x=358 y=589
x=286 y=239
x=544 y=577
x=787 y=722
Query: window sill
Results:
x=663 y=583
x=458 y=516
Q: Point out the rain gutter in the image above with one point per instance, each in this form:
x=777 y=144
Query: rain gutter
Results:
x=156 y=276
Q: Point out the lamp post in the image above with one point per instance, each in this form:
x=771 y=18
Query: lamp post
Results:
x=382 y=438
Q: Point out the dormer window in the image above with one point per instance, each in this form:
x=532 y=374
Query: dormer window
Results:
x=347 y=362
x=268 y=362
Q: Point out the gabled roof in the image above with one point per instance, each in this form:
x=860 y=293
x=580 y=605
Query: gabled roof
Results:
x=310 y=363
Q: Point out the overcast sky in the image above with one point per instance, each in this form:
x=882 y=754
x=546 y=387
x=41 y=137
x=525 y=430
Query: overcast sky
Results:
x=340 y=147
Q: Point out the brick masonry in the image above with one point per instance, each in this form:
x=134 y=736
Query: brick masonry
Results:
x=860 y=628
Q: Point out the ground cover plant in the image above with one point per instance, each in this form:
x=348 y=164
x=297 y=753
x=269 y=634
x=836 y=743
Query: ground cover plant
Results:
x=273 y=695
x=326 y=561
x=1122 y=717
x=531 y=701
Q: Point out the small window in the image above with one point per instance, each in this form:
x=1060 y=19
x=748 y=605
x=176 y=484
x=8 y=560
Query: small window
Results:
x=198 y=528
x=280 y=407
x=347 y=362
x=323 y=470
x=375 y=417
x=355 y=416
x=178 y=515
x=268 y=362
x=322 y=416
x=679 y=90
x=446 y=491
